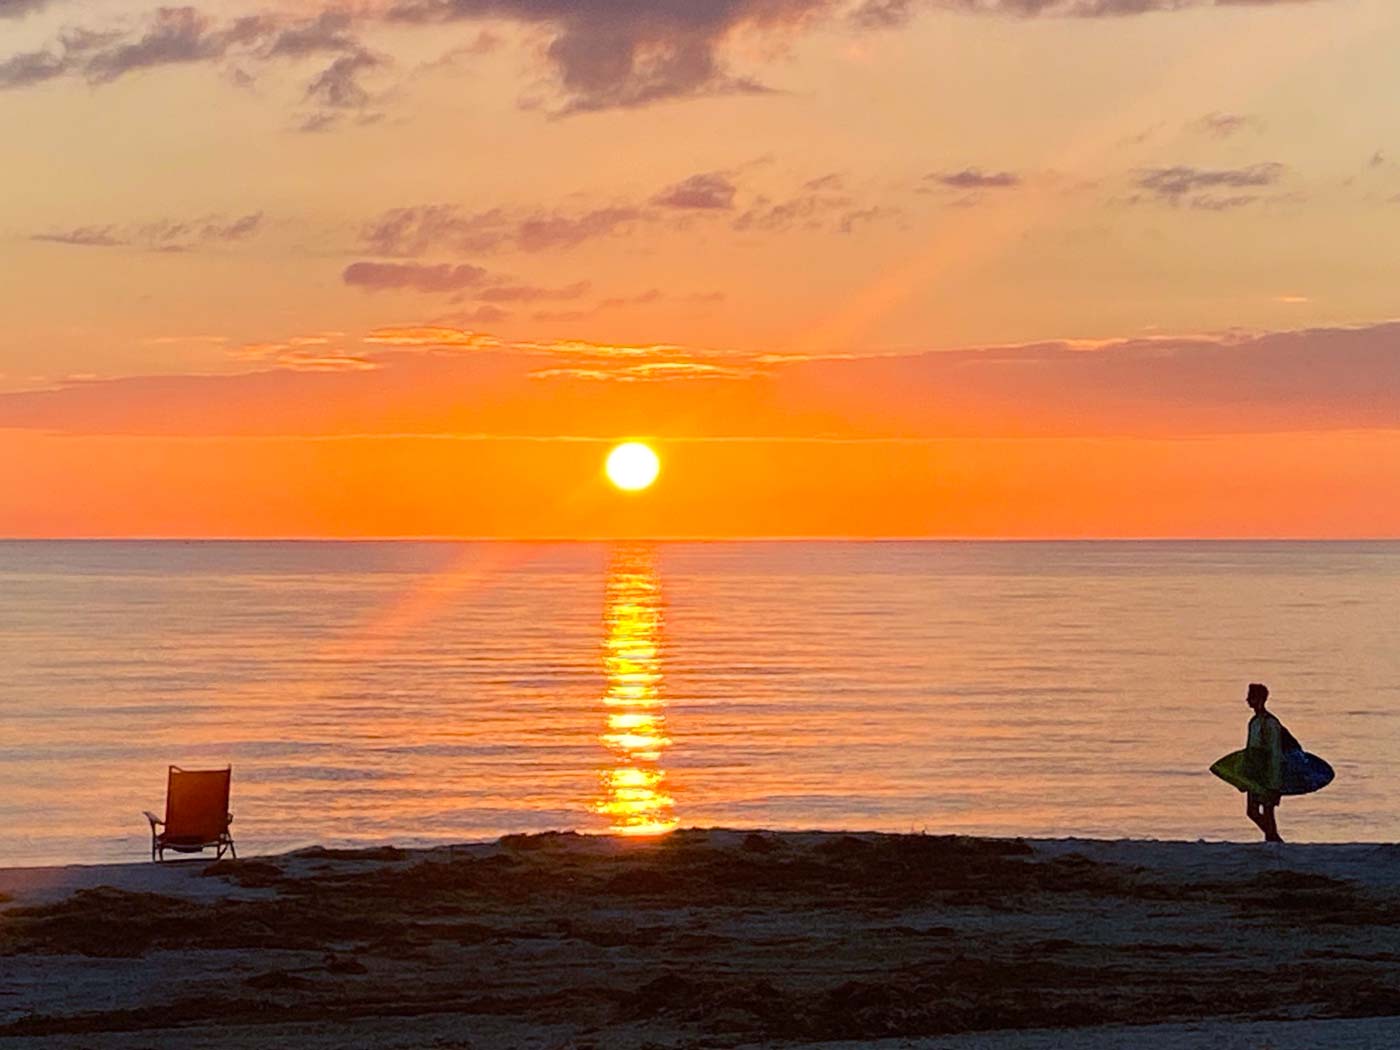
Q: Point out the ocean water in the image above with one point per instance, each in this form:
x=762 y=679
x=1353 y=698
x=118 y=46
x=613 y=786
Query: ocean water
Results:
x=416 y=693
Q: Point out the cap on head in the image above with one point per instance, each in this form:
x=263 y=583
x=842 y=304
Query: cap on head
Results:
x=1258 y=693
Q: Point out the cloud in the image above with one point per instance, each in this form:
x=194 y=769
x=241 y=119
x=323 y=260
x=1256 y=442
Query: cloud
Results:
x=328 y=31
x=1226 y=125
x=711 y=191
x=418 y=230
x=235 y=230
x=528 y=293
x=32 y=67
x=444 y=277
x=338 y=85
x=425 y=229
x=17 y=8
x=604 y=54
x=540 y=232
x=307 y=353
x=884 y=14
x=185 y=35
x=165 y=235
x=486 y=313
x=175 y=35
x=84 y=236
x=611 y=54
x=975 y=179
x=808 y=210
x=651 y=295
x=447 y=380
x=337 y=92
x=1199 y=186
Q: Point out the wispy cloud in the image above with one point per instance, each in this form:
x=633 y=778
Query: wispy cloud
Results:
x=530 y=293
x=421 y=229
x=16 y=8
x=322 y=352
x=975 y=179
x=442 y=277
x=175 y=36
x=603 y=54
x=1206 y=188
x=711 y=191
x=608 y=54
x=884 y=14
x=449 y=380
x=160 y=235
x=339 y=90
x=1226 y=125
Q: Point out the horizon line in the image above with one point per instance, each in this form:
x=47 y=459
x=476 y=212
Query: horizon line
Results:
x=815 y=538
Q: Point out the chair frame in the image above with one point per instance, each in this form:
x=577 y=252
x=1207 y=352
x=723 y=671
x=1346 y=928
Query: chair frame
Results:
x=221 y=845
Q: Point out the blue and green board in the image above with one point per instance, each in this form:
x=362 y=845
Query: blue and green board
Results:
x=1303 y=773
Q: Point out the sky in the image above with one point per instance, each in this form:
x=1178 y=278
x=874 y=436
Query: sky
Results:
x=866 y=268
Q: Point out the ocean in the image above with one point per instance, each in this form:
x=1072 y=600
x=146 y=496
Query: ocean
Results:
x=417 y=693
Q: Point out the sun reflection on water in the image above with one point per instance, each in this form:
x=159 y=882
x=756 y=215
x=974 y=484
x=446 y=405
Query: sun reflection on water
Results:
x=634 y=796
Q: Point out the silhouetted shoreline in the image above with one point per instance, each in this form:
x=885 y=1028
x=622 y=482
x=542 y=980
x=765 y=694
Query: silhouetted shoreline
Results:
x=710 y=938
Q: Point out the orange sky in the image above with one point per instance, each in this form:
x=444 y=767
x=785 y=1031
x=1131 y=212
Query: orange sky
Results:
x=856 y=268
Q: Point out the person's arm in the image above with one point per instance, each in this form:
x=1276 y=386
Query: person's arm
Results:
x=1273 y=741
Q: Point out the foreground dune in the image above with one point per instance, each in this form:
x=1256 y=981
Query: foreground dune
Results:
x=714 y=938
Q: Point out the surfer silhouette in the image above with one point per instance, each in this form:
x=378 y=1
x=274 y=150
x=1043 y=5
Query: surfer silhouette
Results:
x=1263 y=763
x=1272 y=764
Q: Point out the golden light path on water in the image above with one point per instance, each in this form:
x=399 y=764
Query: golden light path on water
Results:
x=633 y=783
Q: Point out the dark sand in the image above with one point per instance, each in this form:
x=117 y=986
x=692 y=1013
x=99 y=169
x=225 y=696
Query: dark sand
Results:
x=714 y=939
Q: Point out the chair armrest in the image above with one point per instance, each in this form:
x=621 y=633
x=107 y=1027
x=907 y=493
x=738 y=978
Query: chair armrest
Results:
x=230 y=818
x=152 y=818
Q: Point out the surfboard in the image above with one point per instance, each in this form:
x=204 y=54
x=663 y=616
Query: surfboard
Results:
x=1303 y=773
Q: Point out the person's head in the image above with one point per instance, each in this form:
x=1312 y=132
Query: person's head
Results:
x=1257 y=696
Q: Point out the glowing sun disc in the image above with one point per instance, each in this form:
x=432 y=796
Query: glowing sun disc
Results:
x=632 y=466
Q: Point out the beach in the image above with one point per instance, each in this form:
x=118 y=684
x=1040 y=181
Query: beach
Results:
x=714 y=938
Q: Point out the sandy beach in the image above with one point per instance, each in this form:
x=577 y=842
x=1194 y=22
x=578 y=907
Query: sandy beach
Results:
x=714 y=938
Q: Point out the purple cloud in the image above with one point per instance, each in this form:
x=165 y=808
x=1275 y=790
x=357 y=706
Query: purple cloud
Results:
x=175 y=35
x=542 y=232
x=626 y=53
x=1195 y=185
x=328 y=31
x=17 y=8
x=338 y=85
x=448 y=381
x=421 y=229
x=84 y=236
x=31 y=67
x=529 y=293
x=443 y=277
x=810 y=211
x=605 y=54
x=164 y=235
x=1226 y=125
x=883 y=14
x=711 y=191
x=976 y=179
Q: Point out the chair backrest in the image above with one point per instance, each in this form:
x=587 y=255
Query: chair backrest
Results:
x=196 y=803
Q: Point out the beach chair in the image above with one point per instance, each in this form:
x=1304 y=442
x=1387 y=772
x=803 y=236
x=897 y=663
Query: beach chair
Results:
x=196 y=814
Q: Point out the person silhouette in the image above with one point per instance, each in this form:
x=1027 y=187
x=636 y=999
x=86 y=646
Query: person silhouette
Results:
x=1263 y=763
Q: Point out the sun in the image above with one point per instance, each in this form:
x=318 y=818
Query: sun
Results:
x=632 y=466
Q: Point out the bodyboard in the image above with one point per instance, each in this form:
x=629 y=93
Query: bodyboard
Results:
x=1303 y=773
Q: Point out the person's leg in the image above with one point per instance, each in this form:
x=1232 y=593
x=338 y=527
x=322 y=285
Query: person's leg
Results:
x=1270 y=825
x=1253 y=809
